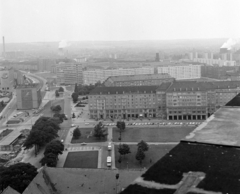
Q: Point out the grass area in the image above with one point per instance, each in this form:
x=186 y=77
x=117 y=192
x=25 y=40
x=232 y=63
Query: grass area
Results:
x=152 y=134
x=5 y=133
x=47 y=108
x=87 y=137
x=154 y=153
x=83 y=159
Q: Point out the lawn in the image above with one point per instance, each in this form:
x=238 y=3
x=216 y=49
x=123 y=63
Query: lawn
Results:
x=152 y=134
x=5 y=132
x=87 y=137
x=83 y=159
x=154 y=153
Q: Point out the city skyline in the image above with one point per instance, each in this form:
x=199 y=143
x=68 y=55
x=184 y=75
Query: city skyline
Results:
x=43 y=21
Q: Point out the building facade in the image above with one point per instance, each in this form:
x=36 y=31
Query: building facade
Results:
x=94 y=76
x=28 y=96
x=69 y=73
x=122 y=102
x=181 y=71
x=138 y=80
x=178 y=100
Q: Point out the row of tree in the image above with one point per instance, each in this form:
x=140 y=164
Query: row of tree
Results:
x=43 y=131
x=124 y=149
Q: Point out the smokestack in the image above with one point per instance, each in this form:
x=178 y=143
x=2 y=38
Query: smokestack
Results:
x=3 y=53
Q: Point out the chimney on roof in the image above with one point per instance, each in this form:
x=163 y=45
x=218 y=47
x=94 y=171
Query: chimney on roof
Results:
x=198 y=89
x=180 y=89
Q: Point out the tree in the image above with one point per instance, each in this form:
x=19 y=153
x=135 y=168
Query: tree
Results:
x=121 y=125
x=75 y=97
x=57 y=93
x=76 y=88
x=124 y=149
x=37 y=139
x=76 y=133
x=57 y=108
x=61 y=89
x=17 y=176
x=60 y=116
x=140 y=155
x=55 y=147
x=50 y=160
x=43 y=131
x=100 y=131
x=143 y=145
x=73 y=115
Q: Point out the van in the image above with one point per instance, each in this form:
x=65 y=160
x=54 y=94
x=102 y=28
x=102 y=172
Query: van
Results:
x=109 y=161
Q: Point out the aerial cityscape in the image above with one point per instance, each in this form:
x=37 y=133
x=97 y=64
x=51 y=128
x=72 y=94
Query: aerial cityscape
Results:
x=130 y=97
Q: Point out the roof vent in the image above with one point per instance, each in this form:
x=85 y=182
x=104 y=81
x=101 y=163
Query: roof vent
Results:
x=180 y=89
x=123 y=92
x=228 y=86
x=198 y=89
x=174 y=89
x=192 y=89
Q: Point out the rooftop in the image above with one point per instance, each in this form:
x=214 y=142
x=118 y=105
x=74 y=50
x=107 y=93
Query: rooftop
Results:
x=124 y=90
x=80 y=181
x=139 y=77
x=11 y=137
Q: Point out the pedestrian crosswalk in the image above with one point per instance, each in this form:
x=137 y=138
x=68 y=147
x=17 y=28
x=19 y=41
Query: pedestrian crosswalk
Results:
x=83 y=148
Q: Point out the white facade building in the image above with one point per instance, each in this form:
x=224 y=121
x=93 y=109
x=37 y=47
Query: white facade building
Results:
x=182 y=71
x=69 y=73
x=94 y=76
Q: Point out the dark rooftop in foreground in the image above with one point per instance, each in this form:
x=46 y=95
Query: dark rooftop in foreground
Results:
x=235 y=101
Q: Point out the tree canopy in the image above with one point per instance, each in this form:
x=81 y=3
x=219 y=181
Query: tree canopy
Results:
x=43 y=131
x=100 y=131
x=61 y=89
x=140 y=155
x=56 y=108
x=143 y=145
x=53 y=149
x=75 y=97
x=61 y=117
x=57 y=93
x=17 y=176
x=76 y=133
x=124 y=149
x=121 y=125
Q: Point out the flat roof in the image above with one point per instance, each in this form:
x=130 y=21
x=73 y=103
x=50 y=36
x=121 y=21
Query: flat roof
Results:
x=222 y=128
x=10 y=138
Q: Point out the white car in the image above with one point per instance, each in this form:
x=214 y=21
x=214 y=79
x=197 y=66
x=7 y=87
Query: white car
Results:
x=86 y=123
x=72 y=125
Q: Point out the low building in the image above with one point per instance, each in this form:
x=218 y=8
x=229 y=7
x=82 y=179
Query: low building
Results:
x=138 y=80
x=7 y=143
x=28 y=96
x=94 y=76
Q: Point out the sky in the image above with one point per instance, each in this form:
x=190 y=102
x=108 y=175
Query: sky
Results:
x=116 y=20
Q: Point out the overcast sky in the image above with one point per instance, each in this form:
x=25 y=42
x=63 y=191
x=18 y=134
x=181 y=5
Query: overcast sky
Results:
x=55 y=20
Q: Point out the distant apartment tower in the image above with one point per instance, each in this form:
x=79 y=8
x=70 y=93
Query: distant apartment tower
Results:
x=69 y=73
x=138 y=80
x=157 y=58
x=94 y=76
x=45 y=64
x=181 y=71
x=28 y=96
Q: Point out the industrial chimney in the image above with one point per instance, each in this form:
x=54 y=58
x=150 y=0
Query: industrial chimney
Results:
x=3 y=53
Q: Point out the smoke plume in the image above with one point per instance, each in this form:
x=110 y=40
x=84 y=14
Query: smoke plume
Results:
x=232 y=43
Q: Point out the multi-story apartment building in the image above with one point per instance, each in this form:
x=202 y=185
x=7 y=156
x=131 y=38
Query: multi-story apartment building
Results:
x=122 y=102
x=94 y=76
x=181 y=71
x=69 y=73
x=178 y=100
x=138 y=80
